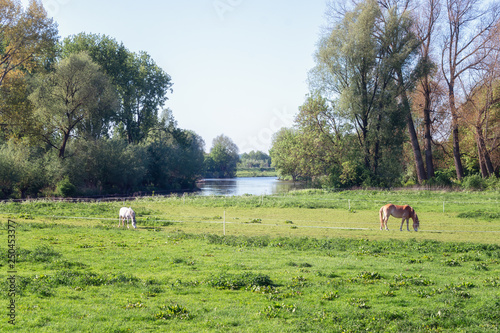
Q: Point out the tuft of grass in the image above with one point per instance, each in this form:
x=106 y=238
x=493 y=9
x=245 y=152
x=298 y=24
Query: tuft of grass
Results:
x=238 y=281
x=172 y=311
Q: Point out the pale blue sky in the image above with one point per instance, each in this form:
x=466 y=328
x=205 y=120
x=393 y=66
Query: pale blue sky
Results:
x=239 y=67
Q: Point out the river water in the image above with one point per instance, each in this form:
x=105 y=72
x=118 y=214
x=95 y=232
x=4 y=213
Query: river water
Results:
x=246 y=185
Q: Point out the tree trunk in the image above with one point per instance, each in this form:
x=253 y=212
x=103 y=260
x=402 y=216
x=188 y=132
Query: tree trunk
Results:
x=428 y=144
x=484 y=156
x=427 y=130
x=454 y=128
x=419 y=163
x=482 y=165
x=376 y=150
x=456 y=153
x=456 y=140
x=63 y=145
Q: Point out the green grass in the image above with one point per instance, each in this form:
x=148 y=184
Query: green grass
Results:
x=302 y=262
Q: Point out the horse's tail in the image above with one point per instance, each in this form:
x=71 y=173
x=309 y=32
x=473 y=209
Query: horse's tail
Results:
x=381 y=214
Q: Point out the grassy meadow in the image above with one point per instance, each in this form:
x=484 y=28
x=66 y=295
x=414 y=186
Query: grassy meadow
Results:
x=309 y=261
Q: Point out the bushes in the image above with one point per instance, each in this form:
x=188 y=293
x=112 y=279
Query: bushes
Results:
x=476 y=183
x=97 y=167
x=26 y=171
x=65 y=189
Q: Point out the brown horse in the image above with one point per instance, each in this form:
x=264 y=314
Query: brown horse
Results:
x=405 y=212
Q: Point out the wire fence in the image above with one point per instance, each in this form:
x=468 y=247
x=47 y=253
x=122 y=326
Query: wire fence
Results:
x=158 y=222
x=347 y=203
x=225 y=202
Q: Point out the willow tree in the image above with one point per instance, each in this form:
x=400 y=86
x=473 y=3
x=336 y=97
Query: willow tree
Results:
x=400 y=46
x=355 y=72
x=347 y=60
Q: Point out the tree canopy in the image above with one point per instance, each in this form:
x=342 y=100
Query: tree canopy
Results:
x=85 y=115
x=377 y=95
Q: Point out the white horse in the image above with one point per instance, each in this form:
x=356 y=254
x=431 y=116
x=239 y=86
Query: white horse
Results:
x=126 y=214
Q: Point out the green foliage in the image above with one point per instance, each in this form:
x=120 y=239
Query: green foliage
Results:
x=473 y=183
x=223 y=158
x=95 y=88
x=9 y=174
x=477 y=183
x=277 y=310
x=173 y=311
x=239 y=281
x=479 y=214
x=75 y=98
x=26 y=171
x=65 y=189
x=104 y=166
x=42 y=253
x=285 y=154
x=255 y=159
x=141 y=84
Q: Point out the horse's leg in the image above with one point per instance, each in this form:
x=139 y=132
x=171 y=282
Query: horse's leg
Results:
x=402 y=222
x=381 y=215
x=407 y=222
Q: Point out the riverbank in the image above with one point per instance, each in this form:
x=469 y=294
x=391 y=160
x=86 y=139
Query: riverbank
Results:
x=256 y=172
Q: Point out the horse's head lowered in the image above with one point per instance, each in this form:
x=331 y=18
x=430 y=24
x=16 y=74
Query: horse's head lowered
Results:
x=416 y=222
x=132 y=213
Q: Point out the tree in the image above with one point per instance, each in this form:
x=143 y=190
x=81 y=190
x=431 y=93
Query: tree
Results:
x=144 y=98
x=27 y=37
x=355 y=70
x=348 y=66
x=467 y=44
x=285 y=147
x=223 y=157
x=27 y=45
x=76 y=92
x=400 y=45
x=426 y=19
x=482 y=112
x=322 y=136
x=255 y=159
x=141 y=84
